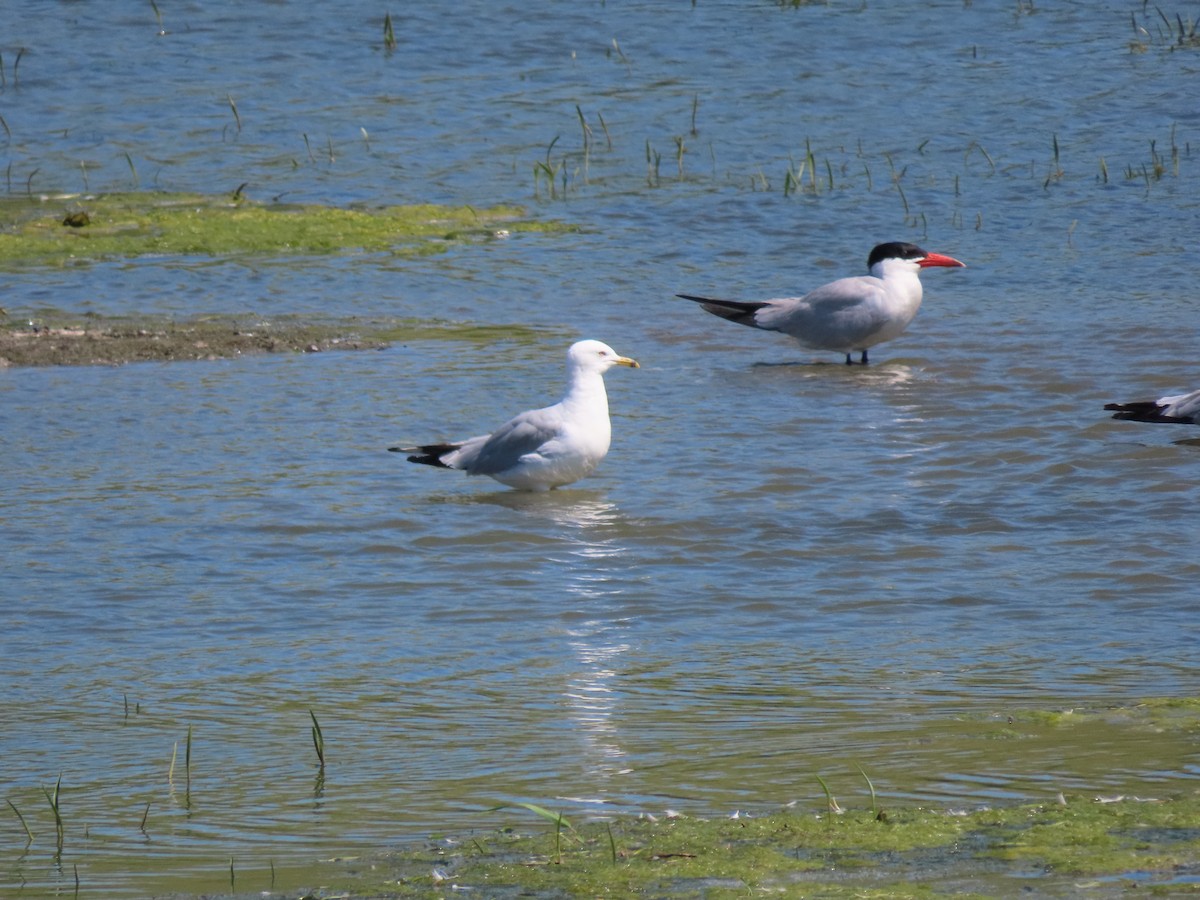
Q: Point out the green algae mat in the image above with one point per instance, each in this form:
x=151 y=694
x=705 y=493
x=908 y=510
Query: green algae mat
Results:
x=1073 y=846
x=40 y=230
x=73 y=229
x=862 y=845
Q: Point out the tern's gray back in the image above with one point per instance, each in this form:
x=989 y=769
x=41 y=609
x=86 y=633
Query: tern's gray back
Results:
x=835 y=316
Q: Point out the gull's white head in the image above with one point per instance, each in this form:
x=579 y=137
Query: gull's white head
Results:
x=596 y=356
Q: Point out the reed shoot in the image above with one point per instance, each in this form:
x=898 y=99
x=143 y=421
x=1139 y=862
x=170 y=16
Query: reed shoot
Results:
x=557 y=818
x=587 y=141
x=871 y=787
x=52 y=797
x=621 y=56
x=318 y=739
x=136 y=183
x=607 y=136
x=236 y=118
x=550 y=171
x=653 y=159
x=21 y=818
x=389 y=34
x=830 y=800
x=587 y=131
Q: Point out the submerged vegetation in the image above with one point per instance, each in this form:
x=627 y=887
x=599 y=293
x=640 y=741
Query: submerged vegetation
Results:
x=76 y=228
x=901 y=852
x=945 y=168
x=864 y=844
x=1158 y=29
x=53 y=230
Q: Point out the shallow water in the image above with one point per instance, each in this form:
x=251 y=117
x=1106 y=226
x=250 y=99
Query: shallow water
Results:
x=786 y=566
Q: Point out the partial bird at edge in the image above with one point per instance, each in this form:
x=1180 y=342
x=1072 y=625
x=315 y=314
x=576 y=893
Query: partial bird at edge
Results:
x=1180 y=409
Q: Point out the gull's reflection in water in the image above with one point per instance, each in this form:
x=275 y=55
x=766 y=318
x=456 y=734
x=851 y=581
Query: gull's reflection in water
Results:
x=590 y=570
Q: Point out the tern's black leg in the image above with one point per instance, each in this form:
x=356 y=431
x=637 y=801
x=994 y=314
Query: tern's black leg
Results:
x=864 y=358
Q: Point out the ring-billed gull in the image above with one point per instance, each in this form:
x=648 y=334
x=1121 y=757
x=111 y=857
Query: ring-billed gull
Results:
x=1182 y=409
x=847 y=315
x=545 y=448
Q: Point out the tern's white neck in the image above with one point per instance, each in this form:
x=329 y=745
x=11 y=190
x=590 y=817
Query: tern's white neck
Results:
x=901 y=280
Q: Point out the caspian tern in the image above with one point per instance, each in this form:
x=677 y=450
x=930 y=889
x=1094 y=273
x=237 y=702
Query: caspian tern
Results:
x=1182 y=409
x=847 y=315
x=541 y=449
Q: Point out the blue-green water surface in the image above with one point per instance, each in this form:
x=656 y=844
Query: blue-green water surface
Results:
x=785 y=566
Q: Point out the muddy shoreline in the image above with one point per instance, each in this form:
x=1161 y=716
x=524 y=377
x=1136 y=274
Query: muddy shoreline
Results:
x=54 y=230
x=101 y=342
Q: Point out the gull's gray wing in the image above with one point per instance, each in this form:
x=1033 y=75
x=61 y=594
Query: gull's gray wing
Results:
x=522 y=434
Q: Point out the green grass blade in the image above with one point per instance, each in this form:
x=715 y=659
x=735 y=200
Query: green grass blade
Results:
x=557 y=818
x=52 y=799
x=829 y=798
x=874 y=809
x=318 y=739
x=28 y=833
